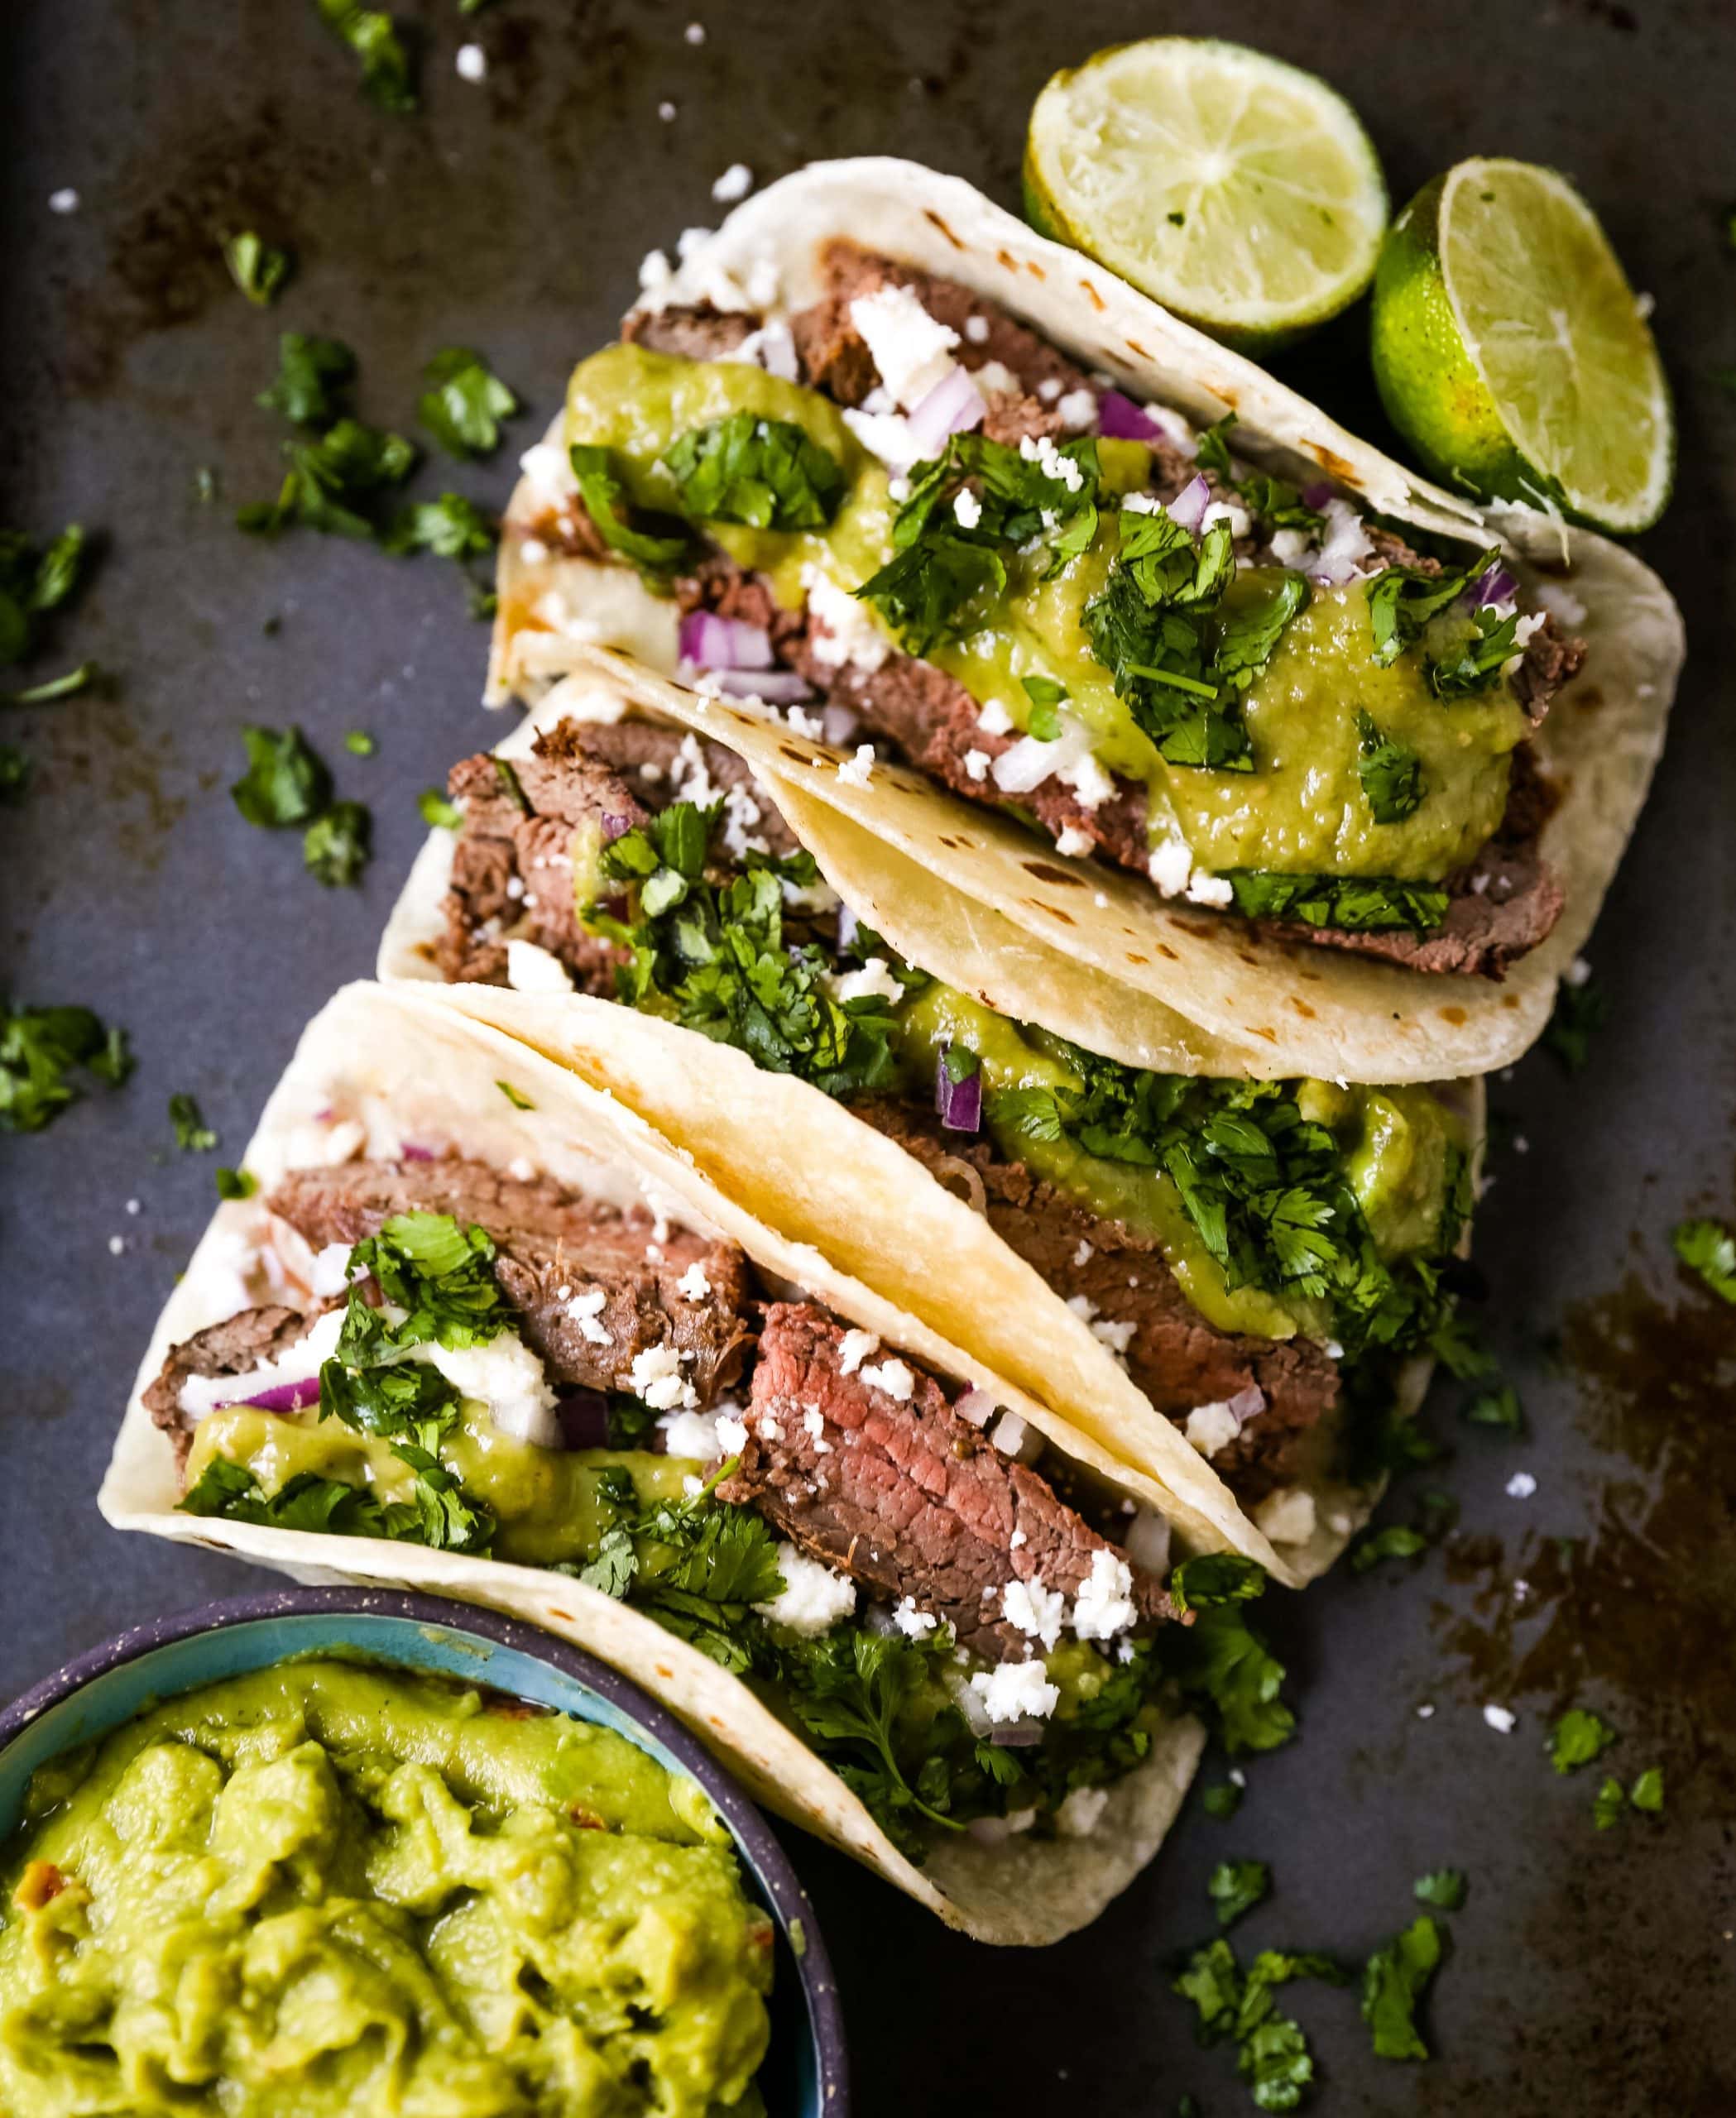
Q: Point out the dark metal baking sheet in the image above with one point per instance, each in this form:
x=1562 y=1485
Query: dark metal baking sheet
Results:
x=1591 y=1972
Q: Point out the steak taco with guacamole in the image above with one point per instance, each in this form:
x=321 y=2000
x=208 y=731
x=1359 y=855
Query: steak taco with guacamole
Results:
x=476 y=1328
x=1231 y=1284
x=1187 y=679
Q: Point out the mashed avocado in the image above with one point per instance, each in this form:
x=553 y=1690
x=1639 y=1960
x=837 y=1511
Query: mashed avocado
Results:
x=324 y=1887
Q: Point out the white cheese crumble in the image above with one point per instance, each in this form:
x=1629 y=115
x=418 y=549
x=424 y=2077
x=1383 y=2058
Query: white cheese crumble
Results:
x=1287 y=1516
x=994 y=719
x=585 y=1308
x=967 y=507
x=1016 y=1691
x=772 y=346
x=812 y=1599
x=654 y=271
x=531 y=968
x=507 y=1378
x=814 y=1424
x=548 y=468
x=1040 y=449
x=1291 y=548
x=1016 y=1539
x=1078 y=1816
x=893 y=1376
x=873 y=980
x=855 y=1349
x=850 y=635
x=857 y=771
x=693 y=1286
x=1224 y=511
x=912 y=351
x=695 y=33
x=471 y=63
x=1078 y=409
x=731 y=1433
x=1104 y=1606
x=656 y=1377
x=1203 y=889
x=695 y=1435
x=913 y=1623
x=1084 y=1254
x=1578 y=972
x=1501 y=1719
x=1211 y=1428
x=1521 y=1486
x=1037 y=1611
x=736 y=181
x=1070 y=839
x=976 y=330
x=977 y=764
x=64 y=201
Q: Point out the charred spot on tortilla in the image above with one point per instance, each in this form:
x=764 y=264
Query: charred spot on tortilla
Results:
x=935 y=220
x=1455 y=1016
x=1092 y=296
x=1044 y=873
x=1302 y=1006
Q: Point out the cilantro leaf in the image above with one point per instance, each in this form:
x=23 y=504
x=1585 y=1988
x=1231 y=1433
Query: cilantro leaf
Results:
x=1216 y=1578
x=1222 y=1663
x=926 y=592
x=1647 y=1794
x=1390 y=771
x=360 y=743
x=1709 y=1249
x=257 y=267
x=307 y=1502
x=334 y=482
x=1248 y=634
x=1473 y=662
x=1579 y=1737
x=192 y=1135
x=1499 y=1407
x=1403 y=599
x=54 y=688
x=404 y=1399
x=387 y=79
x=1444 y=1888
x=336 y=847
x=1395 y=1541
x=465 y=403
x=516 y=1097
x=39 y=1049
x=1237 y=1886
x=1221 y=1799
x=602 y=494
x=441 y=1274
x=436 y=810
x=236 y=1183
x=1211 y=1979
x=1608 y=1804
x=312 y=375
x=768 y=473
x=1393 y=1983
x=285 y=782
x=1579 y=1011
x=1356 y=904
x=450 y=527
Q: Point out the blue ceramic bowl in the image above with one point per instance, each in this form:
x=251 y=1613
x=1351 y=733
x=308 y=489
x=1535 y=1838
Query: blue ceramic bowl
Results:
x=805 y=2073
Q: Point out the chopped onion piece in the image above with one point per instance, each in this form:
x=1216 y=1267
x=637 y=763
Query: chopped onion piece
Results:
x=1016 y=1735
x=839 y=724
x=614 y=827
x=775 y=686
x=1247 y=1404
x=977 y=1406
x=409 y=1152
x=1119 y=419
x=1188 y=510
x=954 y=405
x=711 y=642
x=1496 y=586
x=1147 y=1542
x=1316 y=495
x=959 y=1102
x=283 y=1396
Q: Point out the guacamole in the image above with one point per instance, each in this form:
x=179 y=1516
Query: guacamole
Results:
x=329 y=1887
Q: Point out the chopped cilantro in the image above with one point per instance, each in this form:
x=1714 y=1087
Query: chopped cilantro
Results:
x=1646 y=1793
x=770 y=473
x=192 y=1135
x=334 y=483
x=450 y=527
x=312 y=375
x=285 y=782
x=40 y=1047
x=15 y=767
x=437 y=810
x=1237 y=1886
x=1390 y=771
x=464 y=404
x=1222 y=1800
x=257 y=267
x=32 y=582
x=1709 y=1249
x=1272 y=501
x=1403 y=600
x=236 y=1183
x=440 y=1274
x=1356 y=904
x=360 y=743
x=1579 y=1737
x=1223 y=1664
x=1444 y=1888
x=1474 y=662
x=516 y=1097
x=1393 y=1983
x=1216 y=1578
x=1499 y=1408
x=387 y=79
x=1608 y=1804
x=54 y=688
x=1395 y=1541
x=1272 y=2053
x=1580 y=1011
x=335 y=846
x=602 y=494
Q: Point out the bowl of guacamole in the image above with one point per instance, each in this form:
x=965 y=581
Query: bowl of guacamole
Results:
x=357 y=1852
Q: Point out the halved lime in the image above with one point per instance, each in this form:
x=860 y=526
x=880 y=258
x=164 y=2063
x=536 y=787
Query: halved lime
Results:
x=1241 y=193
x=1511 y=353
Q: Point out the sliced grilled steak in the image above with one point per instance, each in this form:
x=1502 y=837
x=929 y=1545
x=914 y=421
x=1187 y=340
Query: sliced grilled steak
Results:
x=835 y=359
x=512 y=872
x=556 y=1248
x=899 y=1492
x=700 y=330
x=1178 y=1358
x=235 y=1347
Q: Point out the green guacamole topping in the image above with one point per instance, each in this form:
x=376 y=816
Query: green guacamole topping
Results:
x=329 y=1887
x=1248 y=706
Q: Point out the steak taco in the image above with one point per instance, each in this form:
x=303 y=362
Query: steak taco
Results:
x=479 y=1330
x=1234 y=1284
x=1163 y=656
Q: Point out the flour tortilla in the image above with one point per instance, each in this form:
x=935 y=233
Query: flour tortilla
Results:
x=403 y=1066
x=1300 y=1009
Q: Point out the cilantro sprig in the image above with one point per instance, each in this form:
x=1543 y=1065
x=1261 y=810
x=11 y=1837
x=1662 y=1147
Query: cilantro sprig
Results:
x=1709 y=1249
x=1390 y=771
x=464 y=403
x=40 y=1049
x=288 y=783
x=34 y=583
x=770 y=473
x=1354 y=904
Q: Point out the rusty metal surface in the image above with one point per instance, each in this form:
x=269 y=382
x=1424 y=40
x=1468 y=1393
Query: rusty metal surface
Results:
x=1591 y=1972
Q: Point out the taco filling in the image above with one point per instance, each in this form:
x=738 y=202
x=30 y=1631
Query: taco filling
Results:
x=491 y=1364
x=1259 y=1256
x=906 y=519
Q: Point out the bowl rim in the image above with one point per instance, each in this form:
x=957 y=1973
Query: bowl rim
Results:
x=790 y=1900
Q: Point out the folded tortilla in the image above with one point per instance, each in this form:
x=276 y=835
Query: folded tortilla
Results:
x=774 y=1143
x=1209 y=989
x=402 y=1067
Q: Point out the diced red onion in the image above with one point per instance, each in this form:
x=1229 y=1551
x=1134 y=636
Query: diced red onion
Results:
x=1188 y=510
x=283 y=1396
x=583 y=1416
x=847 y=924
x=776 y=687
x=409 y=1152
x=977 y=1406
x=614 y=827
x=954 y=405
x=1246 y=1404
x=1316 y=495
x=1497 y=586
x=711 y=642
x=959 y=1102
x=1119 y=419
x=1016 y=1735
x=839 y=724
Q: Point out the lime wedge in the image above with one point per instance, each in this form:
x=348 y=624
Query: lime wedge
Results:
x=1241 y=193
x=1514 y=356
